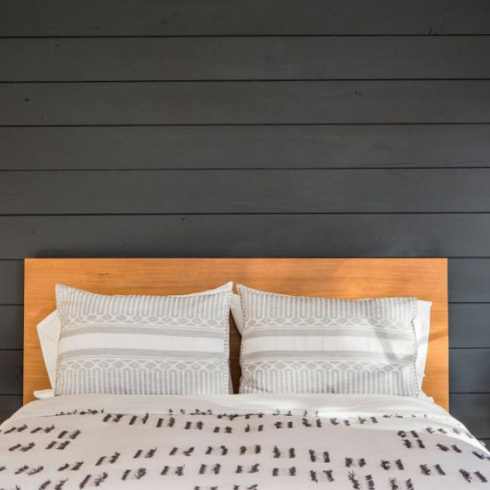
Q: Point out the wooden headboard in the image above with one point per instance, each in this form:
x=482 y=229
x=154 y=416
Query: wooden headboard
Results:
x=342 y=278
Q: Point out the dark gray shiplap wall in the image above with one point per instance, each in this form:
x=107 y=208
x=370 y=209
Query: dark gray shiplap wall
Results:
x=259 y=128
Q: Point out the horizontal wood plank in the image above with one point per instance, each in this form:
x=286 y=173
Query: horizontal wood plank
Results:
x=242 y=236
x=261 y=191
x=11 y=369
x=469 y=370
x=225 y=17
x=246 y=58
x=247 y=147
x=469 y=325
x=312 y=102
x=473 y=411
x=469 y=281
x=9 y=405
x=265 y=235
x=11 y=322
x=11 y=283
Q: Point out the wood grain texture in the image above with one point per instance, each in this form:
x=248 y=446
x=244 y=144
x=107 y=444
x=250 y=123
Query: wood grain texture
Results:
x=347 y=278
x=235 y=17
x=252 y=58
x=245 y=147
x=314 y=102
x=240 y=191
x=350 y=235
x=468 y=278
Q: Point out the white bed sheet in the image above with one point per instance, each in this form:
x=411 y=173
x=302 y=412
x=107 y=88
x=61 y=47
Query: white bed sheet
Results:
x=239 y=442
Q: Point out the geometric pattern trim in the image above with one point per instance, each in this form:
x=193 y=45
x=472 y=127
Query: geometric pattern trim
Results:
x=128 y=376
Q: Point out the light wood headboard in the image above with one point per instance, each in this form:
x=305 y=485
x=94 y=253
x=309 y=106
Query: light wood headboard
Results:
x=342 y=278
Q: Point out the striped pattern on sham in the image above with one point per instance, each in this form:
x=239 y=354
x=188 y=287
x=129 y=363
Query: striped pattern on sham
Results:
x=294 y=344
x=143 y=345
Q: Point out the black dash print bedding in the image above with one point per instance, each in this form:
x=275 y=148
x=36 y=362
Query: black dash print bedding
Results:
x=241 y=442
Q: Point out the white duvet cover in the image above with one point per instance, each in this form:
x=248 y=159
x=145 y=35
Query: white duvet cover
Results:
x=238 y=442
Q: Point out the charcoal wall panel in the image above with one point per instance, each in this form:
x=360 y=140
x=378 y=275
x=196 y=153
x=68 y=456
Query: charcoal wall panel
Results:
x=346 y=128
x=235 y=17
x=246 y=102
x=260 y=191
x=246 y=147
x=253 y=58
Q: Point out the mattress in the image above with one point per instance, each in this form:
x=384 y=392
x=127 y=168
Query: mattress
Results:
x=239 y=442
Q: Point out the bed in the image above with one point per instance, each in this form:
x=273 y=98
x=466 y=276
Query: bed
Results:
x=248 y=441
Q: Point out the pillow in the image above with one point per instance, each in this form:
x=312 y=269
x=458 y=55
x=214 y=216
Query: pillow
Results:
x=421 y=324
x=43 y=394
x=294 y=344
x=143 y=345
x=48 y=331
x=422 y=332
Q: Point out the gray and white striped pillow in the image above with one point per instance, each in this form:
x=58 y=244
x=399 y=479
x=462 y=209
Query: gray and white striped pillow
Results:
x=294 y=344
x=143 y=345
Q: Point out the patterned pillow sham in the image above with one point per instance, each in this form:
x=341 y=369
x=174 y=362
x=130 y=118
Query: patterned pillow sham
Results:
x=143 y=345
x=294 y=344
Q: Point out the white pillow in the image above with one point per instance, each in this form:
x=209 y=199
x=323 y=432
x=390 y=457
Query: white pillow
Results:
x=421 y=324
x=143 y=345
x=422 y=331
x=304 y=344
x=48 y=331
